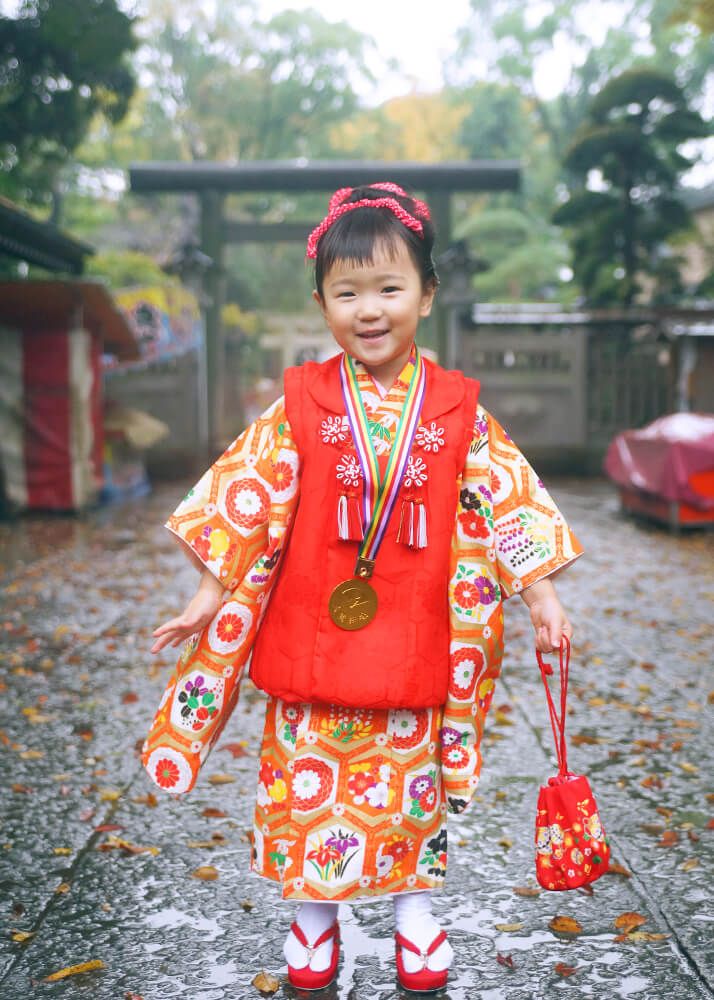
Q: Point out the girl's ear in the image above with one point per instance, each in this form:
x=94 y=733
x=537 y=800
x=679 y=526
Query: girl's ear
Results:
x=427 y=299
x=320 y=301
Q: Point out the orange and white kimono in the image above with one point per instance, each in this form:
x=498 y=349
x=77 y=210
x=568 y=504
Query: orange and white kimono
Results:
x=352 y=803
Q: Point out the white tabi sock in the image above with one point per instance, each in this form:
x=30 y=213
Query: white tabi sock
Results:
x=313 y=919
x=414 y=919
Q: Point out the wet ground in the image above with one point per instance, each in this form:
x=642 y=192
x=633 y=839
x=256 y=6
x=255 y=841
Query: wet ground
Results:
x=79 y=598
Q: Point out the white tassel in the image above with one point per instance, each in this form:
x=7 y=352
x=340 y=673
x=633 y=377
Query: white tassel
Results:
x=421 y=542
x=342 y=522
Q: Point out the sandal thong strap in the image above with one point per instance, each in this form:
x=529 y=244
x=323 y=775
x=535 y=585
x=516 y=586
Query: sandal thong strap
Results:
x=311 y=949
x=423 y=955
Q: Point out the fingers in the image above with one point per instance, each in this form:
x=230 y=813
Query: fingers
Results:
x=169 y=626
x=543 y=639
x=166 y=635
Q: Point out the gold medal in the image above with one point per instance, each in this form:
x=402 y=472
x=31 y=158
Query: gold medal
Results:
x=353 y=604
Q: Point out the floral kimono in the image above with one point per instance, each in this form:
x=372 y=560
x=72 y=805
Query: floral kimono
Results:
x=351 y=803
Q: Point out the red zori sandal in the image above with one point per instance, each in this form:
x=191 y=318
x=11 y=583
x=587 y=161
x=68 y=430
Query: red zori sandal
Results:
x=305 y=978
x=425 y=979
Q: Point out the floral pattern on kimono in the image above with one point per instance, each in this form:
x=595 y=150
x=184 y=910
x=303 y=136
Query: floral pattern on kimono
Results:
x=352 y=802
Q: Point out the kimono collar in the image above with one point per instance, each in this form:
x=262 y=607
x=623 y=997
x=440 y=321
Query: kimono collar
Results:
x=444 y=389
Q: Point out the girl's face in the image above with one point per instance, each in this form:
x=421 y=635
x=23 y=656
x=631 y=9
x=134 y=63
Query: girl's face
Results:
x=373 y=310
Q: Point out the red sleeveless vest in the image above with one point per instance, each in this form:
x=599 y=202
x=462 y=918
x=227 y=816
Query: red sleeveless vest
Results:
x=401 y=659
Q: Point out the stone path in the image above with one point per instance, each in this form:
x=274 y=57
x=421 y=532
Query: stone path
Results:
x=79 y=599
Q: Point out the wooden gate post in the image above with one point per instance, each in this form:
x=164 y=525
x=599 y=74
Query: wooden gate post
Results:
x=440 y=205
x=214 y=296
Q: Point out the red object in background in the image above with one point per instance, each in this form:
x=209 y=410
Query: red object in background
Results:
x=671 y=461
x=51 y=436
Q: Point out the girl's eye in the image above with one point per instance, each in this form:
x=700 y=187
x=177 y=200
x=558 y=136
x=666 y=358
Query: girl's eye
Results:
x=345 y=295
x=391 y=288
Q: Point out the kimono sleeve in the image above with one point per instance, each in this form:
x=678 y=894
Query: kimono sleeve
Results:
x=235 y=517
x=508 y=533
x=532 y=539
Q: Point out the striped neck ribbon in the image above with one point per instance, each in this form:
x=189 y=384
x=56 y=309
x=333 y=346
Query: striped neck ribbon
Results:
x=380 y=493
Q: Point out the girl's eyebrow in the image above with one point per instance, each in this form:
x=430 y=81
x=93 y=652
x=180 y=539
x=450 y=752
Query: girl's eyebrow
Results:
x=391 y=276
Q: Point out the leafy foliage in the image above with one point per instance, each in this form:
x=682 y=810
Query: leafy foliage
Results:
x=221 y=85
x=124 y=268
x=624 y=205
x=61 y=62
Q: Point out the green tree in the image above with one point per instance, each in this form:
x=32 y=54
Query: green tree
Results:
x=510 y=42
x=628 y=162
x=511 y=232
x=223 y=84
x=61 y=63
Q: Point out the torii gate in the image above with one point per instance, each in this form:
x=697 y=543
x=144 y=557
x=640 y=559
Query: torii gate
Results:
x=213 y=181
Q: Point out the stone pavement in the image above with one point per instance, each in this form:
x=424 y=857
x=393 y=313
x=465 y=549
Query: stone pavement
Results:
x=79 y=598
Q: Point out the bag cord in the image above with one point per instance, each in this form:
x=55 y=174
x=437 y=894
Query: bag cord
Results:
x=557 y=723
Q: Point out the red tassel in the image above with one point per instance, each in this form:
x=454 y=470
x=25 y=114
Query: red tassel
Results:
x=349 y=518
x=355 y=530
x=404 y=518
x=412 y=524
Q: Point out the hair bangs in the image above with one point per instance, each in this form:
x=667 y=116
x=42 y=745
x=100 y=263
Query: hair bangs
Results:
x=355 y=237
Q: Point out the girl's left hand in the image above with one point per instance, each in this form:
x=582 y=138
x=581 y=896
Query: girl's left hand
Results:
x=547 y=615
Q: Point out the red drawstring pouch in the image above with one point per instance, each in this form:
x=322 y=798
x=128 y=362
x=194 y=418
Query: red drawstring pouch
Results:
x=571 y=846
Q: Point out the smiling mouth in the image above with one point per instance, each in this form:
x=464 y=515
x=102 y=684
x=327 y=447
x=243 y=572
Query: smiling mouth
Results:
x=372 y=334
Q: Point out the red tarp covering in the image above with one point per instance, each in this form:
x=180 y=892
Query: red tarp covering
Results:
x=672 y=458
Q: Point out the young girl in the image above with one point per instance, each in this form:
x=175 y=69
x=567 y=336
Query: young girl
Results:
x=388 y=516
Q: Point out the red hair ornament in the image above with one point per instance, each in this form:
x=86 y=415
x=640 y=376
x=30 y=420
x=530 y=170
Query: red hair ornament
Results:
x=339 y=206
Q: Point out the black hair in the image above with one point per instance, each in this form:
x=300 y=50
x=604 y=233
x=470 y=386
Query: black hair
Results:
x=355 y=234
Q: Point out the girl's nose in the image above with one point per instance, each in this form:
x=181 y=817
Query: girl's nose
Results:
x=369 y=307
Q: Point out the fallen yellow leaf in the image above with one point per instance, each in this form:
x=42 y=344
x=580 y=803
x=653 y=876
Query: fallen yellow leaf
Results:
x=61 y=850
x=116 y=843
x=221 y=779
x=264 y=982
x=22 y=936
x=627 y=922
x=206 y=872
x=689 y=768
x=641 y=936
x=63 y=887
x=617 y=869
x=689 y=865
x=508 y=928
x=582 y=739
x=506 y=842
x=565 y=925
x=109 y=794
x=526 y=890
x=75 y=970
x=32 y=754
x=146 y=800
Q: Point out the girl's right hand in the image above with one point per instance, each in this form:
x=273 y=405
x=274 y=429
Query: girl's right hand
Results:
x=200 y=610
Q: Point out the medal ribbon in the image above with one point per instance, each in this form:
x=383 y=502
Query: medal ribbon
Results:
x=380 y=494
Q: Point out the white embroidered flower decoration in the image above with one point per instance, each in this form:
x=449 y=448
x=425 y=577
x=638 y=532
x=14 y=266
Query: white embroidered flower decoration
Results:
x=349 y=471
x=332 y=431
x=430 y=438
x=416 y=472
